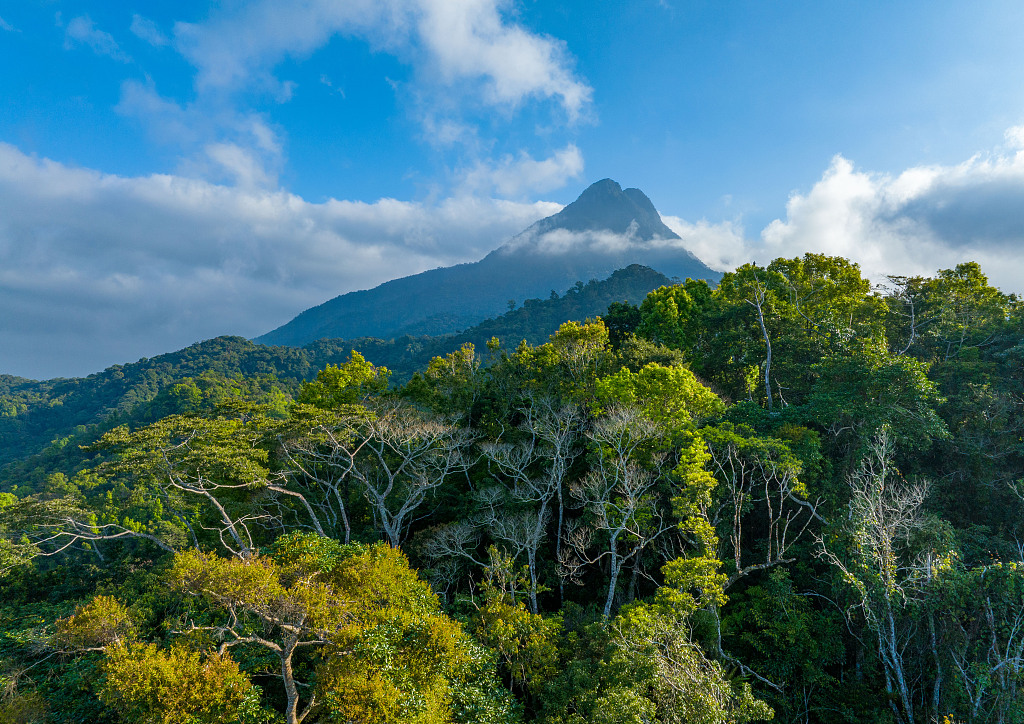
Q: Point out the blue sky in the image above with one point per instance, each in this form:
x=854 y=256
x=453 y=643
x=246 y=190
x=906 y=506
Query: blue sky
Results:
x=175 y=171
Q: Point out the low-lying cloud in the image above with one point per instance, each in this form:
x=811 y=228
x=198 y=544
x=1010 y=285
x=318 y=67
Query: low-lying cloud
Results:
x=913 y=223
x=97 y=269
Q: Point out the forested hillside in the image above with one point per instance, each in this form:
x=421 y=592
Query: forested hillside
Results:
x=787 y=497
x=52 y=418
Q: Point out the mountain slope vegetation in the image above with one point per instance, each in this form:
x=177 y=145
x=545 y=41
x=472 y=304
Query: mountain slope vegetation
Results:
x=789 y=497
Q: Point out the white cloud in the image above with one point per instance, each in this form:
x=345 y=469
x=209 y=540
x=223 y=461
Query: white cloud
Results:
x=926 y=218
x=450 y=41
x=914 y=223
x=513 y=176
x=721 y=246
x=146 y=29
x=467 y=57
x=241 y=165
x=325 y=80
x=217 y=142
x=82 y=31
x=4 y=25
x=469 y=38
x=97 y=269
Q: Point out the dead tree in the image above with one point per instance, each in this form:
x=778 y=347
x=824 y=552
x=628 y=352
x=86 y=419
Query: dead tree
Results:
x=399 y=459
x=622 y=495
x=884 y=512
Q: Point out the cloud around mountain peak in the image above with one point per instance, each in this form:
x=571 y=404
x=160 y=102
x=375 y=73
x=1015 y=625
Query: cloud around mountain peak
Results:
x=97 y=269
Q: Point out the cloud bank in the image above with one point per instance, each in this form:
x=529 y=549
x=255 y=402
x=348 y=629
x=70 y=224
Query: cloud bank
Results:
x=914 y=223
x=97 y=269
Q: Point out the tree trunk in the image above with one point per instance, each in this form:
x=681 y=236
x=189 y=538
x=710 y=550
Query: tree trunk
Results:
x=291 y=689
x=768 y=352
x=616 y=565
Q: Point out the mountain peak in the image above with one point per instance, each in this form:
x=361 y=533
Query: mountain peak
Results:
x=605 y=229
x=605 y=206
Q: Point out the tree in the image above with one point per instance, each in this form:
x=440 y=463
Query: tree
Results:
x=758 y=479
x=146 y=683
x=881 y=568
x=150 y=685
x=282 y=609
x=859 y=393
x=981 y=623
x=621 y=495
x=566 y=366
x=320 y=447
x=384 y=650
x=526 y=642
x=621 y=320
x=936 y=319
x=344 y=384
x=834 y=304
x=399 y=457
x=676 y=316
x=671 y=397
x=687 y=686
x=208 y=473
x=534 y=472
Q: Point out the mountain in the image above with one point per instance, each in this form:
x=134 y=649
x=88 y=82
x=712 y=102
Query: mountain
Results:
x=605 y=229
x=606 y=206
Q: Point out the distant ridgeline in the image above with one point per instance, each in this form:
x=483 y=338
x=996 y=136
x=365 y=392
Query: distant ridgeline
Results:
x=605 y=229
x=45 y=417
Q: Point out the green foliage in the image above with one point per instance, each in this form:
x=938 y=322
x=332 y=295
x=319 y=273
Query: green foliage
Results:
x=859 y=394
x=526 y=643
x=671 y=397
x=24 y=708
x=103 y=622
x=386 y=651
x=622 y=319
x=674 y=316
x=344 y=384
x=684 y=684
x=716 y=467
x=783 y=636
x=150 y=685
x=568 y=365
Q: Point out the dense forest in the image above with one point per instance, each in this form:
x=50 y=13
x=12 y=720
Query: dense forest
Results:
x=791 y=496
